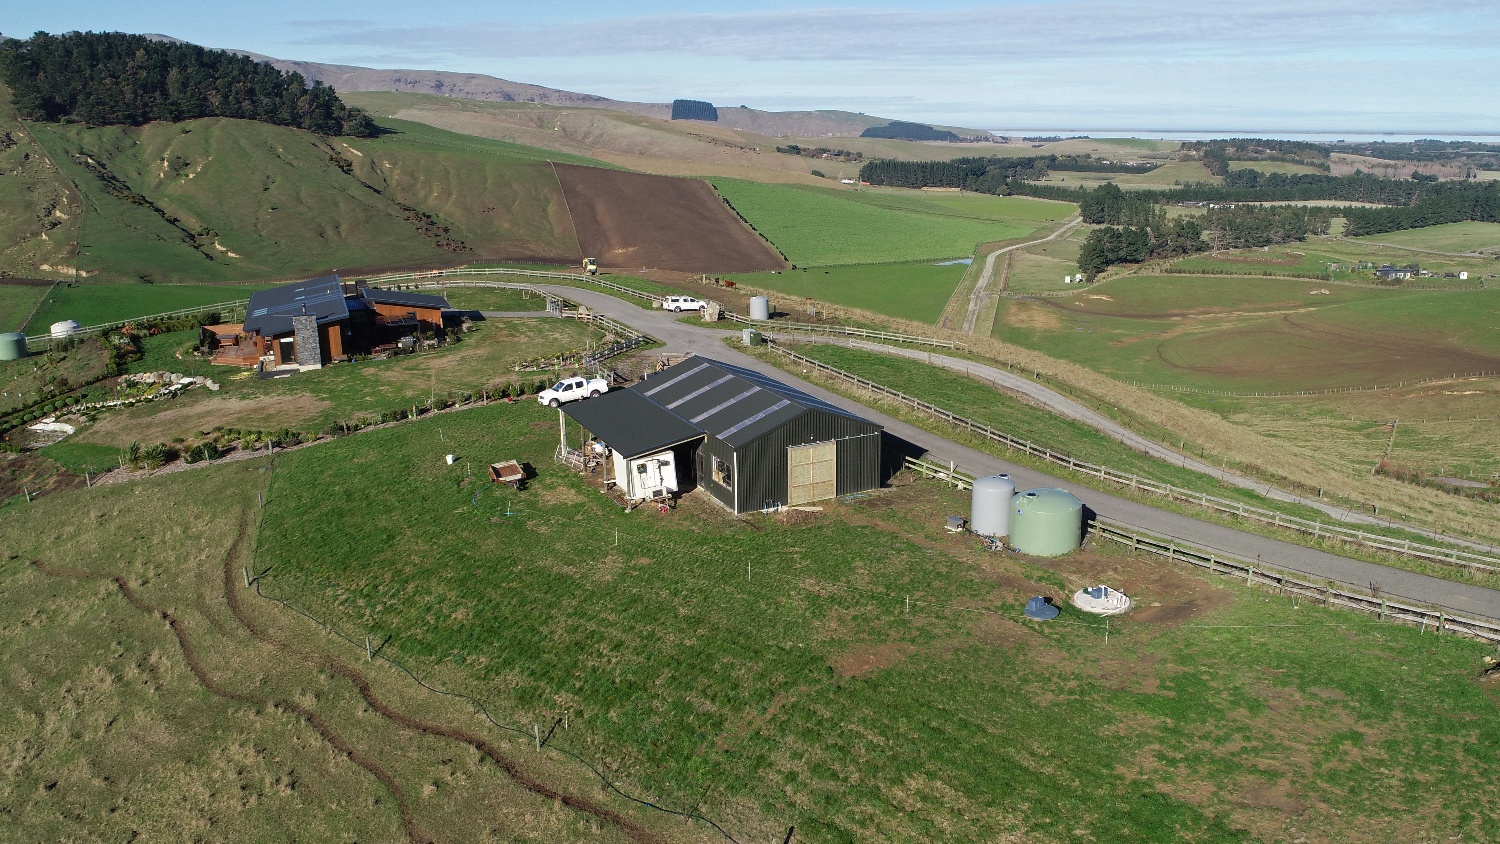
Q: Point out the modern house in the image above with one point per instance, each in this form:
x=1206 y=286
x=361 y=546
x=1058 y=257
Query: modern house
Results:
x=750 y=441
x=313 y=323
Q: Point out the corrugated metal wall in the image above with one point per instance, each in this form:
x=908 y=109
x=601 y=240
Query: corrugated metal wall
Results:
x=706 y=453
x=762 y=476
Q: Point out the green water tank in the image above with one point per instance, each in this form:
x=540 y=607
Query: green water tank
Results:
x=12 y=345
x=1046 y=522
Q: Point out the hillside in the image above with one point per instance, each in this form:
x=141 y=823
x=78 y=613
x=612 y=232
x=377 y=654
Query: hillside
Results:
x=38 y=210
x=218 y=200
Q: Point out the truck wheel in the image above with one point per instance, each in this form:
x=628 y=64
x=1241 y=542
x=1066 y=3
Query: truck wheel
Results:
x=552 y=402
x=594 y=394
x=678 y=309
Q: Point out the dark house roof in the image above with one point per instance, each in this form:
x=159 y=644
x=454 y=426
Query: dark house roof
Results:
x=698 y=396
x=398 y=297
x=270 y=311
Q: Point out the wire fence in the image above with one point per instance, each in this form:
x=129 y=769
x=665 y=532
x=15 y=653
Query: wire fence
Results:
x=1318 y=530
x=1279 y=576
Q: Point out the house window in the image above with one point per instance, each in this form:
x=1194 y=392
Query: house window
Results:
x=722 y=473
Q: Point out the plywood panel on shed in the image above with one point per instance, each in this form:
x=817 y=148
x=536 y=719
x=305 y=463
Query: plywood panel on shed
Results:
x=812 y=472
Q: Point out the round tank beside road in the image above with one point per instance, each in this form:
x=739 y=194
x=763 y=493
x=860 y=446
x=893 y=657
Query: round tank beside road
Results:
x=760 y=308
x=64 y=328
x=989 y=508
x=1046 y=523
x=12 y=346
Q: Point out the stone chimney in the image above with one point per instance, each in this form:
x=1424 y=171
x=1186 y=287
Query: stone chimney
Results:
x=305 y=336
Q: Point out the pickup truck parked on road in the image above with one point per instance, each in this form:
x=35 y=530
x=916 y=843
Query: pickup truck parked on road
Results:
x=570 y=389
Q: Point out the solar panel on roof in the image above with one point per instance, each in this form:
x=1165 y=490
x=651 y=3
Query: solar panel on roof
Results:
x=756 y=418
x=674 y=379
x=700 y=391
x=721 y=405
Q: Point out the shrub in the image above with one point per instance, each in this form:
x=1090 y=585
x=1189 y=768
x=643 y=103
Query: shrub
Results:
x=202 y=452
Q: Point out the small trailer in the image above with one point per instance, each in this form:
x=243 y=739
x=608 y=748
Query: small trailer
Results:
x=508 y=472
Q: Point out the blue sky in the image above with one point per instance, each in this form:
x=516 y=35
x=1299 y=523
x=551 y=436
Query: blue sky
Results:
x=1267 y=66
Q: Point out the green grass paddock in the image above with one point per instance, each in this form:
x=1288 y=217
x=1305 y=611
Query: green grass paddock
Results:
x=818 y=226
x=906 y=291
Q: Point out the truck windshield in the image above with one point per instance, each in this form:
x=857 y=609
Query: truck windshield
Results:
x=560 y=386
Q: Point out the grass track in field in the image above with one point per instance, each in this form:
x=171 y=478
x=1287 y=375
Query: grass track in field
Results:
x=816 y=227
x=910 y=291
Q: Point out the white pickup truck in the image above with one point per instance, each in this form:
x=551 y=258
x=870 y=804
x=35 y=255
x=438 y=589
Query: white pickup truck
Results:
x=570 y=389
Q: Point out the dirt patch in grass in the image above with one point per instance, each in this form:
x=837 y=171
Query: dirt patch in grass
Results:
x=1163 y=595
x=23 y=473
x=268 y=413
x=867 y=659
x=1032 y=316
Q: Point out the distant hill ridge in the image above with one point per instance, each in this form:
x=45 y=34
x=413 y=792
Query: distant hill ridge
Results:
x=478 y=86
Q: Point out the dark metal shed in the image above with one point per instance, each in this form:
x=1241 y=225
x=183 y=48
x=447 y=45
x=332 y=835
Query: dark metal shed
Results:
x=763 y=443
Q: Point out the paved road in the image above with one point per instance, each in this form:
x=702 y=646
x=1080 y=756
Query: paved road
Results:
x=1461 y=598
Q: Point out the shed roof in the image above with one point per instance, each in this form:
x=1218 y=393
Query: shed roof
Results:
x=270 y=311
x=631 y=423
x=401 y=297
x=730 y=403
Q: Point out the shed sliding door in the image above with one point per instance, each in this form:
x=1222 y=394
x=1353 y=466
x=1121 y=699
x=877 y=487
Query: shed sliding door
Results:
x=812 y=472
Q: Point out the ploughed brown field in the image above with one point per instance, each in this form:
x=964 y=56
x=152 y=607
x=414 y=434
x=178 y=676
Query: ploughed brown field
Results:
x=634 y=221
